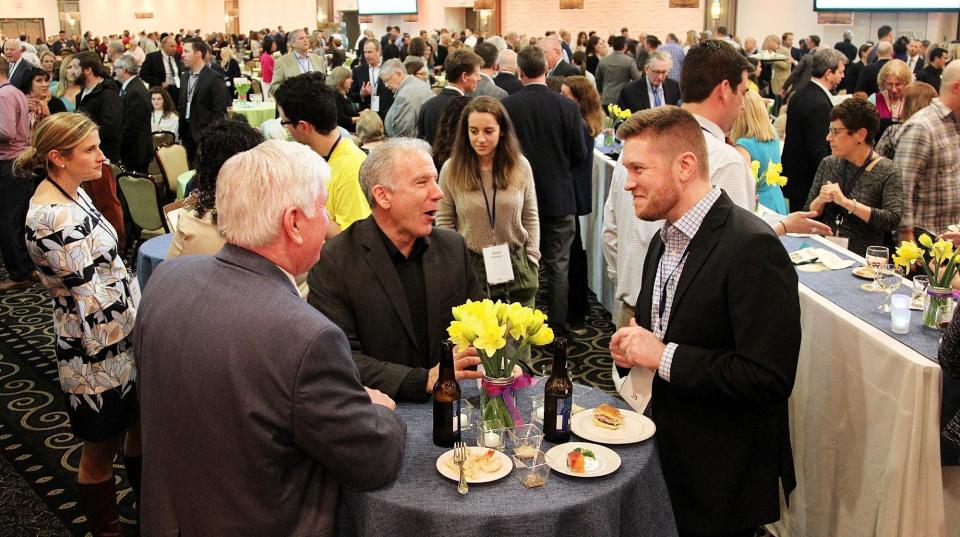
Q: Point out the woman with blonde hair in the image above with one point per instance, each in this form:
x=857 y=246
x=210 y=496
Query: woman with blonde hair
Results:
x=94 y=307
x=340 y=80
x=490 y=198
x=893 y=77
x=757 y=140
x=67 y=89
x=692 y=39
x=370 y=130
x=916 y=97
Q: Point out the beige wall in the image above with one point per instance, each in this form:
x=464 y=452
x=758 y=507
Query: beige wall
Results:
x=33 y=9
x=105 y=17
x=533 y=17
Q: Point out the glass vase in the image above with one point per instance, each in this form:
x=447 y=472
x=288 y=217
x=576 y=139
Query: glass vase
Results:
x=936 y=297
x=493 y=402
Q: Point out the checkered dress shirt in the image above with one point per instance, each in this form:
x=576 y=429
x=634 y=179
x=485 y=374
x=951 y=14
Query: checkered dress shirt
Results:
x=676 y=238
x=928 y=153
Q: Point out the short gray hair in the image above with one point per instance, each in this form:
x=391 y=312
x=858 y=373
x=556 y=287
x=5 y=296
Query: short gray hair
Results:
x=507 y=59
x=390 y=67
x=658 y=56
x=827 y=59
x=498 y=42
x=115 y=46
x=16 y=42
x=848 y=34
x=255 y=187
x=380 y=165
x=127 y=63
x=292 y=36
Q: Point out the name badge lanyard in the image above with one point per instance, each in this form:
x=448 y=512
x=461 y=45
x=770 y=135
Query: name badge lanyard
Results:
x=846 y=186
x=492 y=218
x=662 y=305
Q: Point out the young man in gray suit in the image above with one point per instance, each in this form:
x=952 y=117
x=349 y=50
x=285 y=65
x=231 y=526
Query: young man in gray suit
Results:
x=615 y=71
x=254 y=411
x=486 y=86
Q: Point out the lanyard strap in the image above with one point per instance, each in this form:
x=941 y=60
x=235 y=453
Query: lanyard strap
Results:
x=662 y=305
x=90 y=211
x=335 y=144
x=846 y=186
x=491 y=211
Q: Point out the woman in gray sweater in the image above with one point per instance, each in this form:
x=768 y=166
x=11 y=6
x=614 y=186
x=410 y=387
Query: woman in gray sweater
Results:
x=490 y=199
x=857 y=192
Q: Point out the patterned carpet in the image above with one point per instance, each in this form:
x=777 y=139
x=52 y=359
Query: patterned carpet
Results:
x=40 y=455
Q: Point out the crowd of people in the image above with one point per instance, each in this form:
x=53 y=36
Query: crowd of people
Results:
x=412 y=168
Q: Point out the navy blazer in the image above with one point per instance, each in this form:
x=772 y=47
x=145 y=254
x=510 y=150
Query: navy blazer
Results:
x=731 y=376
x=210 y=100
x=508 y=82
x=634 y=95
x=549 y=127
x=431 y=111
x=361 y=75
x=808 y=119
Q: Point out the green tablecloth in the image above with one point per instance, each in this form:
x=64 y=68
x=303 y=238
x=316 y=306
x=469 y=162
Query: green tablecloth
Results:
x=256 y=113
x=182 y=181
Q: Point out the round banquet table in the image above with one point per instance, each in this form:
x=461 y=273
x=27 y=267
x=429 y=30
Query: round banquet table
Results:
x=420 y=502
x=256 y=113
x=151 y=254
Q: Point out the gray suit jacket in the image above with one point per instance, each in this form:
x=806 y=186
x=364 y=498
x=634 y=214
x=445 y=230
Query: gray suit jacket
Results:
x=614 y=72
x=487 y=86
x=356 y=285
x=253 y=411
x=401 y=120
x=288 y=67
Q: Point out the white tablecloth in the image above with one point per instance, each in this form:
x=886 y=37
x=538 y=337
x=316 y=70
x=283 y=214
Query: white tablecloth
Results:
x=591 y=226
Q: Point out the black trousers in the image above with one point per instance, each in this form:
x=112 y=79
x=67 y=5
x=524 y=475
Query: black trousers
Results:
x=15 y=194
x=577 y=305
x=186 y=139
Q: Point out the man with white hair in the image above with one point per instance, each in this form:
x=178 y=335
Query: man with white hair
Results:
x=409 y=94
x=506 y=76
x=285 y=421
x=654 y=88
x=553 y=52
x=19 y=66
x=847 y=47
x=298 y=61
x=136 y=142
x=115 y=50
x=390 y=281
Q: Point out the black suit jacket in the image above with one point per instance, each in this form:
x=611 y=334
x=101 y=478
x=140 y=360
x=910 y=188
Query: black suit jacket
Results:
x=549 y=127
x=730 y=377
x=357 y=287
x=104 y=107
x=361 y=75
x=431 y=111
x=930 y=75
x=848 y=49
x=634 y=96
x=867 y=82
x=136 y=144
x=565 y=69
x=808 y=119
x=508 y=82
x=16 y=78
x=153 y=73
x=210 y=100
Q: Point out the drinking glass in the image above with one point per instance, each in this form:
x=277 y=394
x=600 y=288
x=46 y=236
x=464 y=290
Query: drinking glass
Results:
x=920 y=284
x=877 y=257
x=889 y=279
x=944 y=315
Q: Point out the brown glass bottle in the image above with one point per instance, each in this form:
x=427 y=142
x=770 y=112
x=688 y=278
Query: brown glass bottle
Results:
x=446 y=401
x=558 y=397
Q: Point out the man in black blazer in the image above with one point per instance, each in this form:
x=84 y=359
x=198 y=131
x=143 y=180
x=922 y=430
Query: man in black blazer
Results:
x=553 y=52
x=161 y=68
x=653 y=85
x=550 y=129
x=204 y=98
x=716 y=279
x=506 y=77
x=463 y=73
x=372 y=280
x=366 y=95
x=868 y=76
x=808 y=119
x=932 y=71
x=136 y=144
x=847 y=47
x=19 y=66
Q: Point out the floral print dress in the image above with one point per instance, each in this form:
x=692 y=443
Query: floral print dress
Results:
x=94 y=306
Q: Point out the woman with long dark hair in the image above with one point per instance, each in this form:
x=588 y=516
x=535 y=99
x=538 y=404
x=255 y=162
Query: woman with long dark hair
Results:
x=490 y=198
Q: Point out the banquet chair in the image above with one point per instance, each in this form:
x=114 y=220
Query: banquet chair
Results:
x=173 y=161
x=255 y=87
x=144 y=202
x=163 y=139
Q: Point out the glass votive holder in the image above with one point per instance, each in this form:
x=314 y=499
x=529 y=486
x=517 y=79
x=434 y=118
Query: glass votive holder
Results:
x=533 y=471
x=524 y=440
x=900 y=314
x=466 y=415
x=256 y=97
x=491 y=435
x=536 y=408
x=920 y=284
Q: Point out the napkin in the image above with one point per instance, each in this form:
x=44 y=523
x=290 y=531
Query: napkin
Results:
x=637 y=388
x=831 y=260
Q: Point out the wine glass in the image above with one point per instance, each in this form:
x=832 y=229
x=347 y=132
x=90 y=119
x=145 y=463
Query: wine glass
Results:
x=877 y=257
x=889 y=280
x=944 y=315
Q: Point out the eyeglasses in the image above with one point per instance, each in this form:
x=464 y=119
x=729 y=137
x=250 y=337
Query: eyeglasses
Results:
x=285 y=122
x=836 y=132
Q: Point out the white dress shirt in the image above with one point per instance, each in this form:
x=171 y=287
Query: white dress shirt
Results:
x=727 y=167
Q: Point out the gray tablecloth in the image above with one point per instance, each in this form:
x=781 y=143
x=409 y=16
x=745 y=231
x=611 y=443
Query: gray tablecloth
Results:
x=843 y=289
x=151 y=254
x=632 y=501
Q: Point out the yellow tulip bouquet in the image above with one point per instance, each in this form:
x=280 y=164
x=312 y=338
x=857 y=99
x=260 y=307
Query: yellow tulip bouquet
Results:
x=502 y=333
x=942 y=267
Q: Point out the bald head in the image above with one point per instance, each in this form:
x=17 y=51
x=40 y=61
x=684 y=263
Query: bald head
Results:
x=507 y=61
x=885 y=50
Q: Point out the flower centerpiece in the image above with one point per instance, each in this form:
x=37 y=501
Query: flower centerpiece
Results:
x=941 y=269
x=615 y=117
x=771 y=176
x=502 y=334
x=242 y=85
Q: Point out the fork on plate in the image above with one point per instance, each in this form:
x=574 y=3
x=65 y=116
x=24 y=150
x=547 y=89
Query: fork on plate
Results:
x=459 y=458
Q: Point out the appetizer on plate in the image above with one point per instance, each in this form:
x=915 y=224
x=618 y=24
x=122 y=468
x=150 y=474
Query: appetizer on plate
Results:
x=479 y=461
x=608 y=417
x=579 y=459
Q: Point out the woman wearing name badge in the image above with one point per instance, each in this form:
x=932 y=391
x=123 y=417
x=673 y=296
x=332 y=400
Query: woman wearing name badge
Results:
x=757 y=140
x=857 y=192
x=489 y=197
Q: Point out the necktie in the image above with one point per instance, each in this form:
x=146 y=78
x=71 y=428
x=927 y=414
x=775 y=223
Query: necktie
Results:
x=657 y=99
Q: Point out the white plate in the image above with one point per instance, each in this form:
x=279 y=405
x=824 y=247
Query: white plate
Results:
x=636 y=428
x=452 y=472
x=607 y=461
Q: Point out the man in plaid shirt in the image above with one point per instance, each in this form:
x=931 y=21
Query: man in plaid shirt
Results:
x=928 y=153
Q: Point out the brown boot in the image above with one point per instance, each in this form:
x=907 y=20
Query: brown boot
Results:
x=99 y=503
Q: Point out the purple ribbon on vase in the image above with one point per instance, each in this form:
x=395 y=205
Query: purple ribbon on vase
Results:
x=506 y=391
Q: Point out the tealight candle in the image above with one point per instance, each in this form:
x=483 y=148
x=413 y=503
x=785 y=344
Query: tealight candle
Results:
x=491 y=439
x=463 y=422
x=539 y=413
x=900 y=314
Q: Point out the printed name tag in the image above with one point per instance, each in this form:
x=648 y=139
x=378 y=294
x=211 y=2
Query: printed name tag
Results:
x=496 y=260
x=375 y=103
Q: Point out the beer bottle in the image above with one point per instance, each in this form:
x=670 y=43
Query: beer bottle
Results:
x=446 y=401
x=558 y=397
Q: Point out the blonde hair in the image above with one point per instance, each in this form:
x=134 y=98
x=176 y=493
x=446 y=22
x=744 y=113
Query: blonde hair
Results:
x=64 y=74
x=370 y=127
x=58 y=132
x=953 y=52
x=897 y=68
x=336 y=78
x=255 y=187
x=753 y=120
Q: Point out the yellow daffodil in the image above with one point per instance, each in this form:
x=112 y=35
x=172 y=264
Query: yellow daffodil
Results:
x=543 y=336
x=925 y=240
x=942 y=251
x=907 y=253
x=537 y=320
x=490 y=338
x=773 y=176
x=461 y=333
x=519 y=319
x=755 y=169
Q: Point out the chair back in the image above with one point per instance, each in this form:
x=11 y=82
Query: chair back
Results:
x=173 y=162
x=163 y=139
x=256 y=87
x=143 y=200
